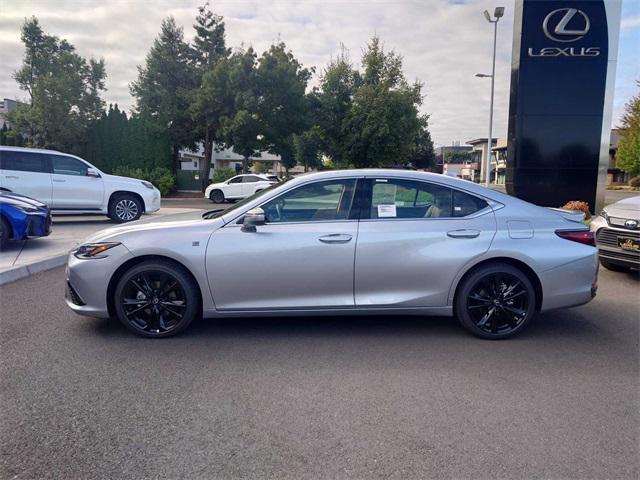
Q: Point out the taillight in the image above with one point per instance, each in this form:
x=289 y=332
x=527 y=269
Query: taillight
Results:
x=581 y=236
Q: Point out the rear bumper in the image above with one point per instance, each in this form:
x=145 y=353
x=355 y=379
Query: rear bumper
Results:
x=570 y=285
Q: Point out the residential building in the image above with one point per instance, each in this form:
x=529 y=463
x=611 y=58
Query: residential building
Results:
x=6 y=105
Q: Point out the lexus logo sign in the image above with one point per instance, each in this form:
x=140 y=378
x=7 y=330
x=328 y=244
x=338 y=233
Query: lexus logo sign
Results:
x=555 y=25
x=565 y=25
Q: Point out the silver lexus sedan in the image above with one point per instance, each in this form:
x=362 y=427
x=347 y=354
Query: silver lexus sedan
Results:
x=343 y=242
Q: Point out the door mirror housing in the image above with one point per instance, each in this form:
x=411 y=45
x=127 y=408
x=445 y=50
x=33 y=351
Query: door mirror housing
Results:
x=92 y=172
x=252 y=219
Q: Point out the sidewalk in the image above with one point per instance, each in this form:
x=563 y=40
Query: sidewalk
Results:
x=21 y=259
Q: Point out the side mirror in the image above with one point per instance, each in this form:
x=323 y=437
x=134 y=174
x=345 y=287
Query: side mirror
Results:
x=91 y=172
x=252 y=219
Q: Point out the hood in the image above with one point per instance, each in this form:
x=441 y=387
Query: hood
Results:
x=626 y=207
x=17 y=200
x=124 y=180
x=154 y=231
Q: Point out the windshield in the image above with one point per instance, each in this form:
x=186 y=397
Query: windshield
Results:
x=223 y=211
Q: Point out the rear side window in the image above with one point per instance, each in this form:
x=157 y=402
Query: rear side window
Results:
x=465 y=204
x=398 y=198
x=23 y=161
x=68 y=166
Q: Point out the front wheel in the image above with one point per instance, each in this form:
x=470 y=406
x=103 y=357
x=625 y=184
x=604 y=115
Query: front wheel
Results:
x=156 y=299
x=496 y=301
x=216 y=196
x=125 y=208
x=5 y=233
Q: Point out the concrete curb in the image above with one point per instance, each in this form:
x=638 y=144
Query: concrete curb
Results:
x=24 y=271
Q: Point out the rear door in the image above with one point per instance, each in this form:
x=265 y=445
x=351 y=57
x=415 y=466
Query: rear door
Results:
x=234 y=188
x=73 y=189
x=414 y=238
x=26 y=173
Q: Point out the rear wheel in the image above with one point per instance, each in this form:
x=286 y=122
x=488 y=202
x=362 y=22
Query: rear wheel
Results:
x=156 y=299
x=495 y=301
x=216 y=196
x=5 y=233
x=125 y=208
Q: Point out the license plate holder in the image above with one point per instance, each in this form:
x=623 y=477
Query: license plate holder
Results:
x=629 y=244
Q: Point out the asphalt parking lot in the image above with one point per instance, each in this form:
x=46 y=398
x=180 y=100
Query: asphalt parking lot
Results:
x=368 y=397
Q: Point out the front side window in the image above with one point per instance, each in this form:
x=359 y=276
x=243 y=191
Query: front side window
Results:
x=68 y=166
x=24 y=161
x=320 y=201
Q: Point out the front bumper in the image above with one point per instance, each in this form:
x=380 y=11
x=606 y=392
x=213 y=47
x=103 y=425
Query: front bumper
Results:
x=152 y=201
x=608 y=247
x=87 y=281
x=35 y=224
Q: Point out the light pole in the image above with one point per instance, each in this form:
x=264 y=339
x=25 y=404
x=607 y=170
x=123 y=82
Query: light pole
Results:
x=498 y=13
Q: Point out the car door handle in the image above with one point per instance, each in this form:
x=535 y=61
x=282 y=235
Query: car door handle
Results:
x=336 y=238
x=463 y=233
x=15 y=177
x=59 y=180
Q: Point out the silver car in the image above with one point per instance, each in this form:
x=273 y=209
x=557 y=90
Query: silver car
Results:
x=343 y=242
x=617 y=231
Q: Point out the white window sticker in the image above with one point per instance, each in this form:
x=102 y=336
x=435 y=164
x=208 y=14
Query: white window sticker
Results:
x=386 y=211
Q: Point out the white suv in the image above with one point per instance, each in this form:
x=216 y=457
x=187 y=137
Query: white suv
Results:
x=71 y=185
x=238 y=187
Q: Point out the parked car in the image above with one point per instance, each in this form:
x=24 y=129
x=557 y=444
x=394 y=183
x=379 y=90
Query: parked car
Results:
x=343 y=242
x=617 y=231
x=237 y=188
x=22 y=217
x=71 y=185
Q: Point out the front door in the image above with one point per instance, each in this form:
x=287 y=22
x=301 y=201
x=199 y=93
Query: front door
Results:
x=413 y=239
x=73 y=189
x=302 y=258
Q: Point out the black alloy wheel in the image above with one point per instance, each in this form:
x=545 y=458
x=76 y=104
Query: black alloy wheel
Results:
x=496 y=301
x=5 y=233
x=216 y=196
x=156 y=299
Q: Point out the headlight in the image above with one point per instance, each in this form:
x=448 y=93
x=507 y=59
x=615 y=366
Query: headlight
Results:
x=604 y=215
x=26 y=208
x=147 y=184
x=94 y=250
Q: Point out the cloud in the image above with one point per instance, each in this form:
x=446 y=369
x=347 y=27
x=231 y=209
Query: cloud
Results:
x=444 y=44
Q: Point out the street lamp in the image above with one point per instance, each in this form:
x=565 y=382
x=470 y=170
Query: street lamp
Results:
x=498 y=13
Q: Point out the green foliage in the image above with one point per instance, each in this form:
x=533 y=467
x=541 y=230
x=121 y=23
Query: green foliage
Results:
x=635 y=182
x=163 y=87
x=423 y=155
x=223 y=174
x=64 y=89
x=261 y=167
x=162 y=178
x=628 y=153
x=306 y=148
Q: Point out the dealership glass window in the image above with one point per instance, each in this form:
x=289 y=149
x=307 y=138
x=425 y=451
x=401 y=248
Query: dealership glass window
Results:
x=23 y=161
x=68 y=166
x=320 y=201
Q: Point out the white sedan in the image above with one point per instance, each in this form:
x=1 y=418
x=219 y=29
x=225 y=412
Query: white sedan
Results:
x=237 y=188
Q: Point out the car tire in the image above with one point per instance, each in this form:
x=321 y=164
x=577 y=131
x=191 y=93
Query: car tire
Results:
x=614 y=267
x=495 y=301
x=125 y=208
x=216 y=196
x=5 y=233
x=156 y=299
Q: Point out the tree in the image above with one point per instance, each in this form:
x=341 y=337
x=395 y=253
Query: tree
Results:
x=335 y=99
x=282 y=107
x=243 y=132
x=423 y=155
x=207 y=106
x=64 y=91
x=383 y=122
x=628 y=154
x=164 y=84
x=307 y=148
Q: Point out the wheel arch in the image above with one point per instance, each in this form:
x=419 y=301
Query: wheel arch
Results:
x=9 y=223
x=117 y=193
x=132 y=262
x=519 y=264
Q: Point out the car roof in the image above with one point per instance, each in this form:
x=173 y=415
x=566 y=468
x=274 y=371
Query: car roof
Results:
x=32 y=150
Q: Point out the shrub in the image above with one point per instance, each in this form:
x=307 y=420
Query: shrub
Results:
x=635 y=182
x=580 y=206
x=161 y=177
x=223 y=174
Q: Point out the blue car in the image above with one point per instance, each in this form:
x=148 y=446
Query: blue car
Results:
x=22 y=217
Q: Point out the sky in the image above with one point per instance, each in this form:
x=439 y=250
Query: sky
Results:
x=444 y=43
